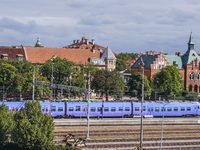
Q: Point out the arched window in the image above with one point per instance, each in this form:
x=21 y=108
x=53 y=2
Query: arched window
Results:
x=190 y=88
x=195 y=88
x=198 y=76
x=191 y=77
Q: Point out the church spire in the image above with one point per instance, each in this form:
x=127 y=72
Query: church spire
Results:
x=191 y=43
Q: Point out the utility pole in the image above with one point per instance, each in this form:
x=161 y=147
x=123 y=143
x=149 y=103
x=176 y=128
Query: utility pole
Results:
x=51 y=97
x=141 y=127
x=88 y=110
x=33 y=96
x=3 y=87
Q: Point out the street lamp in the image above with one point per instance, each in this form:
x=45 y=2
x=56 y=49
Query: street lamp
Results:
x=88 y=110
x=156 y=89
x=51 y=99
x=141 y=127
x=163 y=110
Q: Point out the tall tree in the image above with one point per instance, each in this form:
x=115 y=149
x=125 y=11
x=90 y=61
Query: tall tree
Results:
x=169 y=80
x=6 y=124
x=62 y=69
x=135 y=84
x=108 y=83
x=33 y=129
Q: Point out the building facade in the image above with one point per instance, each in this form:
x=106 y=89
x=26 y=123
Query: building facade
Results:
x=188 y=65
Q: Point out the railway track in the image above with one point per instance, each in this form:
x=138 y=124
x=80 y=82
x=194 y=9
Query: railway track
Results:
x=124 y=136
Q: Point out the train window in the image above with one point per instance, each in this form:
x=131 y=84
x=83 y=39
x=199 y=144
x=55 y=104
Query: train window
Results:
x=120 y=108
x=163 y=109
x=93 y=109
x=16 y=109
x=182 y=108
x=157 y=109
x=198 y=107
x=99 y=109
x=113 y=109
x=175 y=108
x=60 y=108
x=78 y=108
x=71 y=109
x=127 y=109
x=149 y=109
x=53 y=108
x=43 y=109
x=106 y=109
x=46 y=109
x=188 y=108
x=144 y=108
x=137 y=109
x=152 y=109
x=169 y=109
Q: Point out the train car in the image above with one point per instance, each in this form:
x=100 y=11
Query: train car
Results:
x=172 y=109
x=14 y=106
x=57 y=108
x=76 y=109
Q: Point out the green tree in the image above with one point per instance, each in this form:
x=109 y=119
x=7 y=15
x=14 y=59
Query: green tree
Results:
x=168 y=80
x=135 y=84
x=33 y=129
x=108 y=83
x=121 y=61
x=6 y=124
x=62 y=69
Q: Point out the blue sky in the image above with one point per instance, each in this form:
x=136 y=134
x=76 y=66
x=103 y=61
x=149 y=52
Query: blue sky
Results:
x=130 y=26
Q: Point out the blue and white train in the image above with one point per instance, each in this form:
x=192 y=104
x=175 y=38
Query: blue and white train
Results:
x=113 y=109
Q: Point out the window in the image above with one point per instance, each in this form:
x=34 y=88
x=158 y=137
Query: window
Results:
x=71 y=109
x=106 y=109
x=149 y=109
x=78 y=108
x=47 y=109
x=99 y=109
x=60 y=108
x=53 y=108
x=169 y=109
x=113 y=109
x=152 y=109
x=191 y=77
x=198 y=76
x=137 y=109
x=163 y=109
x=127 y=109
x=182 y=108
x=144 y=108
x=43 y=109
x=110 y=62
x=157 y=109
x=120 y=108
x=175 y=108
x=93 y=109
x=188 y=108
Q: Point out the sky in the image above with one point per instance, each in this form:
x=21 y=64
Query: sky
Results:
x=128 y=26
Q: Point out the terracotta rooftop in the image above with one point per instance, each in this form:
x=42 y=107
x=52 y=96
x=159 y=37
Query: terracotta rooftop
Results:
x=42 y=54
x=12 y=52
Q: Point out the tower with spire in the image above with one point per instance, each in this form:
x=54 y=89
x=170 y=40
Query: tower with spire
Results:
x=38 y=44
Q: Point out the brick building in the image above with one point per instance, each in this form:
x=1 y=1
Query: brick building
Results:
x=188 y=65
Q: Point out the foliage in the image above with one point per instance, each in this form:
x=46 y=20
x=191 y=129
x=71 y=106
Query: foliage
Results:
x=6 y=124
x=135 y=84
x=62 y=69
x=121 y=61
x=33 y=129
x=108 y=83
x=168 y=80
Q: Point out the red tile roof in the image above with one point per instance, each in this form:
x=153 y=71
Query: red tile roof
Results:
x=42 y=54
x=12 y=52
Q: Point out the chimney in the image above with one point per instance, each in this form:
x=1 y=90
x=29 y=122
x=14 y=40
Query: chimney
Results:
x=154 y=53
x=161 y=53
x=141 y=53
x=92 y=41
x=178 y=53
x=147 y=53
x=78 y=41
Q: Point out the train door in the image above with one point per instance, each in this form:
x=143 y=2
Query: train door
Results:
x=84 y=110
x=198 y=110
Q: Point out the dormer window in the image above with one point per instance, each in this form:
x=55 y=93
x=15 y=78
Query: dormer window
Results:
x=19 y=57
x=4 y=56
